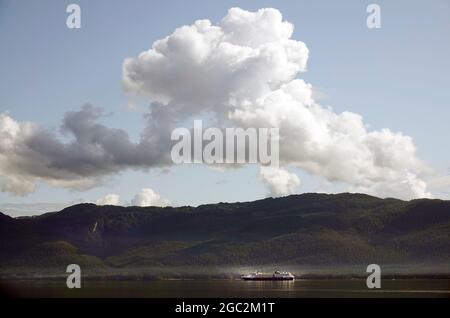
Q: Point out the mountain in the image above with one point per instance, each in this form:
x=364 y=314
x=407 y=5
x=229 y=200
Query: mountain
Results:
x=308 y=229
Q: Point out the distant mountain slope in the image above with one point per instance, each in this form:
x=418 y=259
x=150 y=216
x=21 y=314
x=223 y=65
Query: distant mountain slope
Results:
x=308 y=229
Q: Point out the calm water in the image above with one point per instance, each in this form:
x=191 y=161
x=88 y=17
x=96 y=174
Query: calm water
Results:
x=230 y=288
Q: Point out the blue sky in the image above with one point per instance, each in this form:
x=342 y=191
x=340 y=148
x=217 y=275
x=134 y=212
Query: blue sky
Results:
x=395 y=77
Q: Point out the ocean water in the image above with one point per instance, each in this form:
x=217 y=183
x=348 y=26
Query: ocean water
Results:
x=436 y=288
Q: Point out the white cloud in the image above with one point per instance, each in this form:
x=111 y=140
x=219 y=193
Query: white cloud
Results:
x=338 y=147
x=242 y=72
x=202 y=66
x=109 y=199
x=16 y=185
x=148 y=197
x=280 y=181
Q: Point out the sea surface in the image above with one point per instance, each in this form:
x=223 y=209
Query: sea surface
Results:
x=229 y=288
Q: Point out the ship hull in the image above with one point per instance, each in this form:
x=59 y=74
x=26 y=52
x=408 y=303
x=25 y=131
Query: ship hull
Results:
x=268 y=278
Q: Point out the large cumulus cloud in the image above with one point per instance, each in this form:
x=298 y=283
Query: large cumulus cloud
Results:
x=242 y=72
x=203 y=67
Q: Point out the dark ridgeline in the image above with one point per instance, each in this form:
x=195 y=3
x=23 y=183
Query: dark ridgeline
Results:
x=314 y=229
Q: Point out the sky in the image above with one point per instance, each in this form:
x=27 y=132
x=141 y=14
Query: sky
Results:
x=394 y=77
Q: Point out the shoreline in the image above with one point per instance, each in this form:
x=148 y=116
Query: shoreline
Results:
x=149 y=277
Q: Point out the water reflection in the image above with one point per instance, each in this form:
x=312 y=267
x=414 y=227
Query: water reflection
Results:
x=229 y=288
x=285 y=285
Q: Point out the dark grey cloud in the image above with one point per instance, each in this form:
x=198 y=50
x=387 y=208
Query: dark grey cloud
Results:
x=82 y=155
